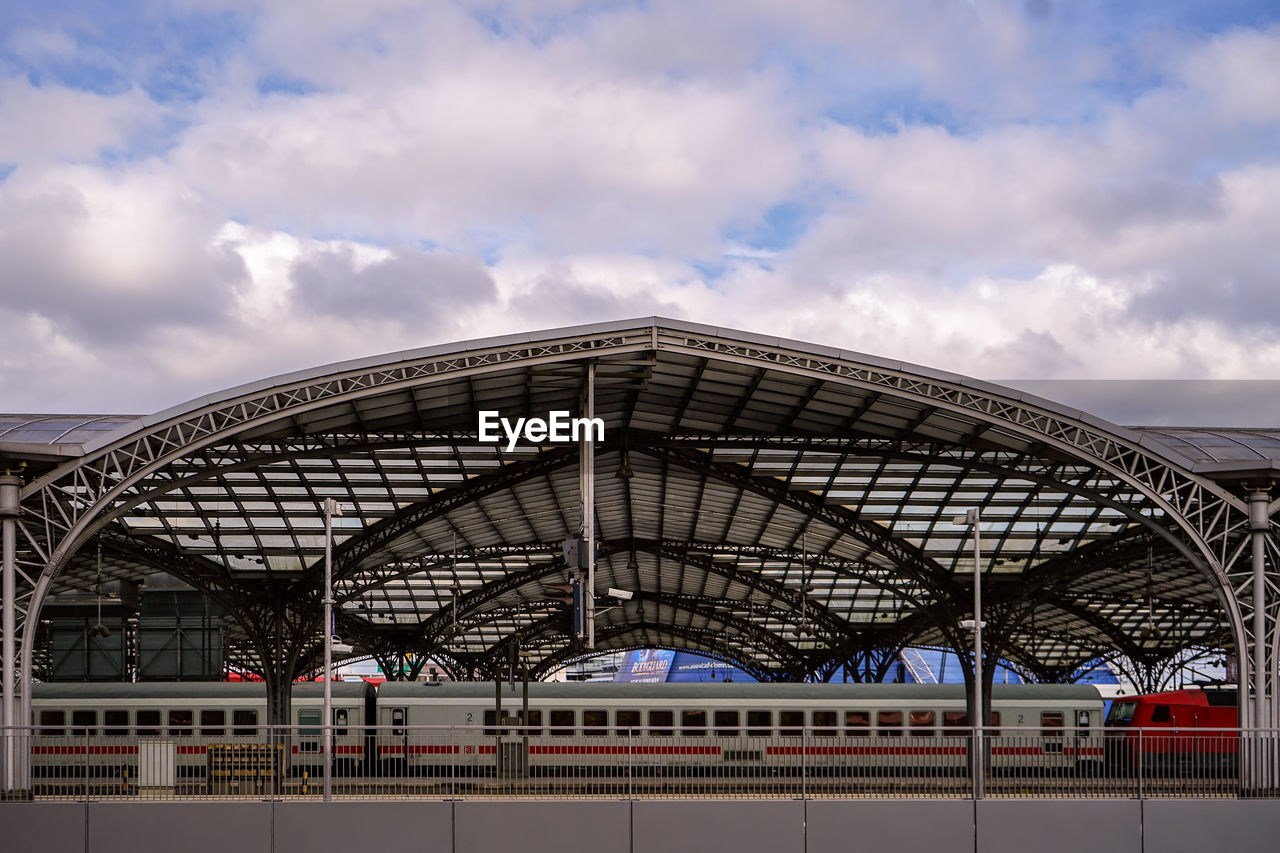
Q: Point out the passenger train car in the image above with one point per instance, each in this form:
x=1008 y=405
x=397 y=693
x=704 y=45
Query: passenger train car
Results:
x=438 y=729
x=196 y=715
x=731 y=728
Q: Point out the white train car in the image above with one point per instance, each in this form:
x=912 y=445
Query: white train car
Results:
x=728 y=729
x=100 y=729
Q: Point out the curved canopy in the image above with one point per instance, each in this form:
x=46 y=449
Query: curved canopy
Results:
x=784 y=506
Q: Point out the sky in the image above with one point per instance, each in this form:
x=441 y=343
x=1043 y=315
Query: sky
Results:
x=200 y=193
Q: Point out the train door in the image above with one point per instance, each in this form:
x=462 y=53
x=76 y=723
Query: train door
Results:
x=396 y=743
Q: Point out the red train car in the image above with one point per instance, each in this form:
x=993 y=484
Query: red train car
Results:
x=1190 y=732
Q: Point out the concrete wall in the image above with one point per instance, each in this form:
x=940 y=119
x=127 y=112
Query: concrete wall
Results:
x=645 y=826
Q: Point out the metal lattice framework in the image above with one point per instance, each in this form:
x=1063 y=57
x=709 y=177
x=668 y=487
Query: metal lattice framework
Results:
x=775 y=504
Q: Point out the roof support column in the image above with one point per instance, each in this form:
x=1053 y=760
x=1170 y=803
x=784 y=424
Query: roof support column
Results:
x=587 y=488
x=1261 y=770
x=9 y=705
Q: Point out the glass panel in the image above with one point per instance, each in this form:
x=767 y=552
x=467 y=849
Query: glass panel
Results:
x=1121 y=713
x=244 y=718
x=627 y=721
x=340 y=716
x=181 y=721
x=661 y=723
x=534 y=722
x=595 y=722
x=53 y=718
x=86 y=723
x=1051 y=723
x=995 y=724
x=889 y=723
x=562 y=723
x=922 y=723
x=213 y=723
x=309 y=719
x=760 y=723
x=824 y=723
x=857 y=723
x=397 y=722
x=1159 y=714
x=955 y=719
x=491 y=722
x=148 y=723
x=114 y=718
x=726 y=723
x=791 y=723
x=693 y=723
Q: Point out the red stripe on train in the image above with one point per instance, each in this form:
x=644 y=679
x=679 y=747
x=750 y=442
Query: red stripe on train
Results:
x=338 y=749
x=866 y=750
x=570 y=749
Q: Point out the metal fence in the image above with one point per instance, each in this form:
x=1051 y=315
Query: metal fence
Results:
x=67 y=763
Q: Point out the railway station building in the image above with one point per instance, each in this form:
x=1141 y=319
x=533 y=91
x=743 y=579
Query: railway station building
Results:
x=521 y=503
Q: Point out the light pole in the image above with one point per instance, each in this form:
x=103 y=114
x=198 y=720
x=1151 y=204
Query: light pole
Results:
x=973 y=518
x=331 y=509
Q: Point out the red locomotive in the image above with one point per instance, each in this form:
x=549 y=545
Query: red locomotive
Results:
x=1192 y=732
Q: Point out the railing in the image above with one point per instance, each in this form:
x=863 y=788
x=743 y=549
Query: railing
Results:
x=475 y=763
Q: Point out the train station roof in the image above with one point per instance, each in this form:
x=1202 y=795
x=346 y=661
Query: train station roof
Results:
x=785 y=506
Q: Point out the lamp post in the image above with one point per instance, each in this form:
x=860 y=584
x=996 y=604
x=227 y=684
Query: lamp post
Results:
x=973 y=518
x=331 y=509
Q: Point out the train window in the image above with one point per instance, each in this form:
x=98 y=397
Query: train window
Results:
x=824 y=723
x=791 y=723
x=562 y=723
x=148 y=723
x=245 y=722
x=1161 y=714
x=53 y=718
x=595 y=722
x=1051 y=723
x=309 y=720
x=85 y=722
x=181 y=721
x=693 y=723
x=1121 y=713
x=627 y=721
x=116 y=721
x=397 y=722
x=760 y=723
x=994 y=728
x=661 y=723
x=955 y=720
x=922 y=723
x=889 y=723
x=491 y=722
x=213 y=723
x=727 y=723
x=340 y=716
x=534 y=722
x=857 y=723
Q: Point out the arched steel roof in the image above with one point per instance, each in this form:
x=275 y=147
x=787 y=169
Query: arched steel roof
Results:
x=779 y=504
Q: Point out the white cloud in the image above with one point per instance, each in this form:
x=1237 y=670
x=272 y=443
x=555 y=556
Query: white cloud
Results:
x=463 y=170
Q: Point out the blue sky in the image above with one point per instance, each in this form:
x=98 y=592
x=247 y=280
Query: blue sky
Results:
x=191 y=192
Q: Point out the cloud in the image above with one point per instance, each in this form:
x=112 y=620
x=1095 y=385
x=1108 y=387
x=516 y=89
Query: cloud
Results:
x=417 y=286
x=49 y=124
x=1000 y=188
x=110 y=258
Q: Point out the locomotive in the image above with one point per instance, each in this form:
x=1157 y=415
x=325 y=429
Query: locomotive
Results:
x=1190 y=732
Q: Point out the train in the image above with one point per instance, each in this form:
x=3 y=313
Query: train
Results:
x=437 y=729
x=1191 y=732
